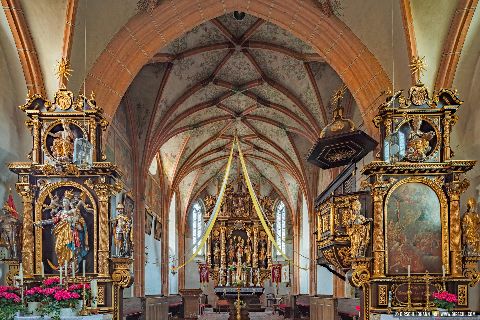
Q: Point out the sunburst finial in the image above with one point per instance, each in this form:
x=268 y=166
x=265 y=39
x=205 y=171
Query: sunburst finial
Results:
x=418 y=66
x=63 y=70
x=338 y=95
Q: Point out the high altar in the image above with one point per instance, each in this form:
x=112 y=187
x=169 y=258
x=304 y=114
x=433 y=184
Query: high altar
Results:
x=67 y=189
x=239 y=253
x=406 y=236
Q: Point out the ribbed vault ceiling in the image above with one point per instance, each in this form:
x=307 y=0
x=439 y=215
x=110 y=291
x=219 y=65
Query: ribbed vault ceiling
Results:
x=226 y=77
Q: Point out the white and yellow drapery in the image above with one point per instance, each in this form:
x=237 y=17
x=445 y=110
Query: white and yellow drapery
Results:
x=218 y=204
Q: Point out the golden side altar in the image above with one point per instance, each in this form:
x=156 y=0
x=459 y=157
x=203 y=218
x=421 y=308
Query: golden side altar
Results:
x=70 y=221
x=407 y=239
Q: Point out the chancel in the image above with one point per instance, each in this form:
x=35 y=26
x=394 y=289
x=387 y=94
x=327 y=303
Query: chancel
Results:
x=240 y=160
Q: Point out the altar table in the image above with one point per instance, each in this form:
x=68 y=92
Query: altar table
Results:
x=91 y=317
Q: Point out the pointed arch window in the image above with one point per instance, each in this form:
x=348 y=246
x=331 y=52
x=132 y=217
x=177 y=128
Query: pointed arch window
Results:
x=198 y=211
x=280 y=225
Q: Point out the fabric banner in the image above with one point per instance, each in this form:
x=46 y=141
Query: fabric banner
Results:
x=216 y=210
x=276 y=273
x=204 y=274
x=286 y=273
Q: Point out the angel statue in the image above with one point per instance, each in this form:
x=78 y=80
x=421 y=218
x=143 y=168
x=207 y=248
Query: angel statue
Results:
x=70 y=229
x=471 y=229
x=358 y=229
x=122 y=233
x=418 y=143
x=62 y=147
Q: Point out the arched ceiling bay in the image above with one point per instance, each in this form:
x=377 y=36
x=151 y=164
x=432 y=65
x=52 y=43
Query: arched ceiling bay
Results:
x=230 y=77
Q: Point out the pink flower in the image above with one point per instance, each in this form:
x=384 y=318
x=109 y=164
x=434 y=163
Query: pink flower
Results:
x=357 y=308
x=51 y=281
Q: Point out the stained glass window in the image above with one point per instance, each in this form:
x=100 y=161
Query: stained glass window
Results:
x=280 y=225
x=197 y=223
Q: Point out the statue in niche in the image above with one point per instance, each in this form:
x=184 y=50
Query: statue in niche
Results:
x=231 y=251
x=62 y=148
x=122 y=233
x=471 y=229
x=240 y=246
x=418 y=143
x=216 y=254
x=358 y=229
x=262 y=255
x=10 y=232
x=248 y=252
x=70 y=229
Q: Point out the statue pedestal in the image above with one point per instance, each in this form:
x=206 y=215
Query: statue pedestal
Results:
x=191 y=301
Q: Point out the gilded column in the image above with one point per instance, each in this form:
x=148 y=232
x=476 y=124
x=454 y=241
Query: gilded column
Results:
x=455 y=189
x=103 y=192
x=26 y=192
x=255 y=247
x=378 y=233
x=222 y=248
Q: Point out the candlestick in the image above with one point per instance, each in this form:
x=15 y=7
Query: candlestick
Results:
x=94 y=288
x=408 y=270
x=66 y=270
x=83 y=265
x=43 y=270
x=73 y=269
x=61 y=275
x=443 y=270
x=20 y=273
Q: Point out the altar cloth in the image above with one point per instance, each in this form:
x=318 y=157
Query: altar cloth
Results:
x=91 y=317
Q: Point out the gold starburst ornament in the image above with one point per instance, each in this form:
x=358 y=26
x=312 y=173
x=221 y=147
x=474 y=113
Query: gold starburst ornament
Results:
x=63 y=70
x=418 y=66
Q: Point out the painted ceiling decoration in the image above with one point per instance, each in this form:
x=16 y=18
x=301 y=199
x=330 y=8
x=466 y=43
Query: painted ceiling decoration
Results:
x=230 y=77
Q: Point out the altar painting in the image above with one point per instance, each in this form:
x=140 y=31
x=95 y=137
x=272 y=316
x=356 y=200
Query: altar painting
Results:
x=413 y=228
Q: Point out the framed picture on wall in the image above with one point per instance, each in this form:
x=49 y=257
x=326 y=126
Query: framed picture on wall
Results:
x=158 y=230
x=129 y=205
x=148 y=222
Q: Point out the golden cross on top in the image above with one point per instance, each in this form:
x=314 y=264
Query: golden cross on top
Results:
x=338 y=95
x=63 y=70
x=418 y=66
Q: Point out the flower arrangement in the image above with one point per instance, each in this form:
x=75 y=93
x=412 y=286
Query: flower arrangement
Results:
x=34 y=294
x=444 y=300
x=9 y=302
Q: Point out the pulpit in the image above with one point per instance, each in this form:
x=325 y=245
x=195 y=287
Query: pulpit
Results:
x=191 y=302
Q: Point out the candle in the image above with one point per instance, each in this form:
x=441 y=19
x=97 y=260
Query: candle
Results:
x=20 y=273
x=443 y=270
x=43 y=270
x=94 y=288
x=73 y=269
x=409 y=270
x=61 y=276
x=83 y=266
x=66 y=271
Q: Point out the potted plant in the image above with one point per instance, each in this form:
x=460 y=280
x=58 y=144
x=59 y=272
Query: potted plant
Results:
x=34 y=297
x=10 y=302
x=80 y=288
x=444 y=300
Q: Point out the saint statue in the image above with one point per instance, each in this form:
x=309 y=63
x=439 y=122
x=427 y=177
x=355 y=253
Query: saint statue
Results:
x=240 y=252
x=471 y=229
x=10 y=232
x=62 y=148
x=216 y=254
x=238 y=275
x=248 y=256
x=231 y=251
x=262 y=256
x=122 y=233
x=358 y=229
x=70 y=229
x=418 y=143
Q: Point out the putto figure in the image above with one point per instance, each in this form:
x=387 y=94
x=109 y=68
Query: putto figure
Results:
x=471 y=229
x=358 y=229
x=70 y=229
x=122 y=233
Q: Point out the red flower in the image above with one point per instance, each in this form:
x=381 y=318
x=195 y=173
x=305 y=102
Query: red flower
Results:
x=357 y=308
x=51 y=281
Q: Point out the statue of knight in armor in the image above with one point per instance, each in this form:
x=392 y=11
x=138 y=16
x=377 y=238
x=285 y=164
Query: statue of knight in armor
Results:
x=122 y=233
x=471 y=229
x=10 y=228
x=358 y=229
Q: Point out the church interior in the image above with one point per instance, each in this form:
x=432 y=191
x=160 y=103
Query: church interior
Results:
x=226 y=159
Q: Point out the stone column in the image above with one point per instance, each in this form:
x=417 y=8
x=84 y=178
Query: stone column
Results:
x=26 y=193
